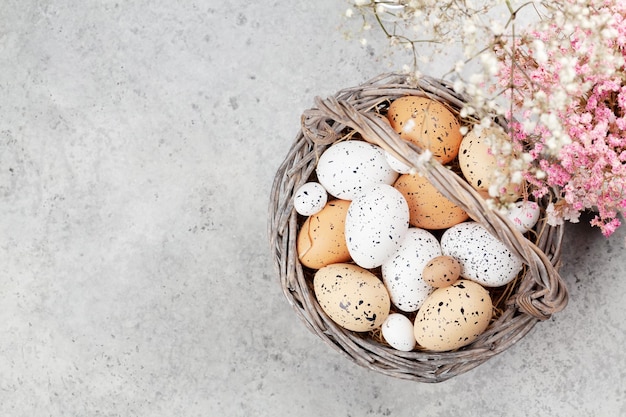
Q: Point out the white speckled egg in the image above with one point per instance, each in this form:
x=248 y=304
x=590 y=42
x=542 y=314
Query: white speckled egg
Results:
x=353 y=297
x=310 y=198
x=453 y=317
x=397 y=330
x=375 y=225
x=402 y=273
x=524 y=215
x=396 y=164
x=347 y=169
x=483 y=257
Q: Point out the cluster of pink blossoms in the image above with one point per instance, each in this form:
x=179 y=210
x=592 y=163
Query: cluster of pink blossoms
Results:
x=568 y=91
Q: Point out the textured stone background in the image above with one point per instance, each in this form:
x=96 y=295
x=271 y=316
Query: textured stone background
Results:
x=138 y=142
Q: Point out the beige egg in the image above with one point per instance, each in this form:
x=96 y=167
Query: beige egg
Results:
x=479 y=165
x=428 y=124
x=321 y=239
x=453 y=317
x=351 y=296
x=428 y=208
x=442 y=271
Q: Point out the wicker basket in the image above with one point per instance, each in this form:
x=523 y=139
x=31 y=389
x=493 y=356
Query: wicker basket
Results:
x=537 y=292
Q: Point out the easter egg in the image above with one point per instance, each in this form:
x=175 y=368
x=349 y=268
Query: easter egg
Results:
x=484 y=258
x=428 y=124
x=402 y=273
x=376 y=223
x=346 y=169
x=453 y=316
x=428 y=208
x=351 y=296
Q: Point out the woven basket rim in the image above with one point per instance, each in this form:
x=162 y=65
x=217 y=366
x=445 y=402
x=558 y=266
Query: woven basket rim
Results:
x=538 y=292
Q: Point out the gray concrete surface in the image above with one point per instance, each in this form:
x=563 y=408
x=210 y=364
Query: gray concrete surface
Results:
x=138 y=141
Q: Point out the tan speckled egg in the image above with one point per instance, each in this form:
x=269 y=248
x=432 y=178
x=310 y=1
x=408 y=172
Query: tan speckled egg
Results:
x=453 y=317
x=351 y=296
x=427 y=123
x=321 y=239
x=478 y=164
x=428 y=208
x=442 y=271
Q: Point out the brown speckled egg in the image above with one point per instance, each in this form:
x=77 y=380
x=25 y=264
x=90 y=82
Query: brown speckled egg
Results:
x=478 y=164
x=321 y=239
x=352 y=297
x=442 y=271
x=427 y=123
x=453 y=317
x=428 y=208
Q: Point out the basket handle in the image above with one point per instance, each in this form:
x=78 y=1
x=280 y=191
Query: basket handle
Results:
x=541 y=303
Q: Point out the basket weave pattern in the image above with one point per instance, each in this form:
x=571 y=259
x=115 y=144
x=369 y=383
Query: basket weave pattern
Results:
x=535 y=295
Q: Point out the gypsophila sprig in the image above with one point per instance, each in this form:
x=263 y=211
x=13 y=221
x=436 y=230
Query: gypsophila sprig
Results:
x=553 y=68
x=567 y=85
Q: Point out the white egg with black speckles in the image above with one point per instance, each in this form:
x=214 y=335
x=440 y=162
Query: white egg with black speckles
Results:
x=347 y=169
x=376 y=224
x=402 y=273
x=398 y=331
x=483 y=257
x=396 y=164
x=524 y=215
x=310 y=198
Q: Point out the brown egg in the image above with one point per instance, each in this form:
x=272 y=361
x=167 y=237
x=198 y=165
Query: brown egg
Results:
x=442 y=271
x=453 y=317
x=321 y=239
x=478 y=164
x=428 y=208
x=353 y=297
x=427 y=123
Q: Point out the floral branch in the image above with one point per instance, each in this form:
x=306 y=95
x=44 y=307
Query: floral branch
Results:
x=557 y=74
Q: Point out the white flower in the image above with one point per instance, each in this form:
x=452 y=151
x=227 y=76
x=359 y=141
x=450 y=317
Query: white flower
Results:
x=490 y=63
x=529 y=125
x=493 y=190
x=540 y=174
x=485 y=122
x=516 y=177
x=349 y=13
x=463 y=113
x=497 y=28
x=459 y=86
x=554 y=218
x=424 y=157
x=540 y=51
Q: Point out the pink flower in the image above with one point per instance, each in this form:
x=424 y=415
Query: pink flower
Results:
x=589 y=172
